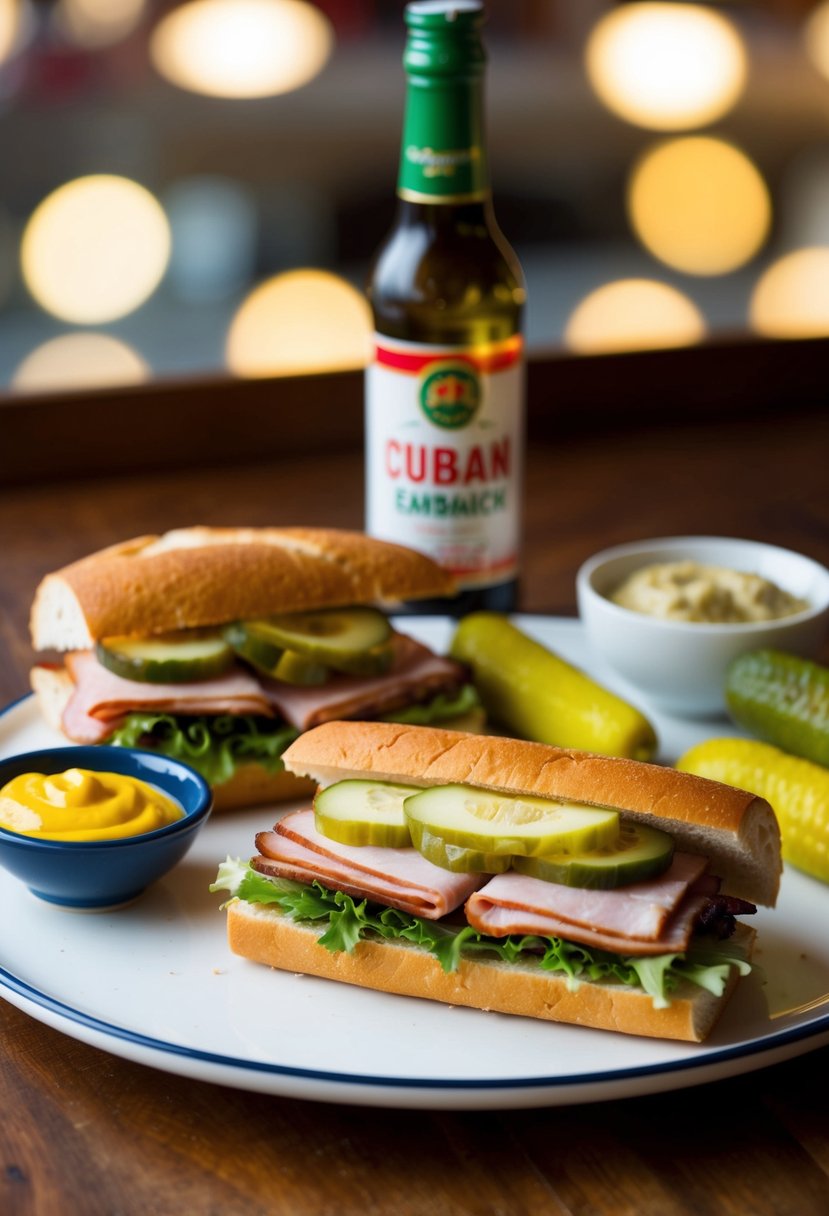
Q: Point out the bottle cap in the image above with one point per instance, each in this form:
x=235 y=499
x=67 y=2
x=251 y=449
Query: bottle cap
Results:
x=432 y=14
x=444 y=38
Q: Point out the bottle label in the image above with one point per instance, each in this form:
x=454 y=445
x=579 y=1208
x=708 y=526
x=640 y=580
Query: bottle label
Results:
x=442 y=157
x=444 y=454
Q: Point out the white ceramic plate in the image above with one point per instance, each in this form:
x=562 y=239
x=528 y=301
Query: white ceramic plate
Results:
x=155 y=983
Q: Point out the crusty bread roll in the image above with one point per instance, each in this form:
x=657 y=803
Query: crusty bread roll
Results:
x=735 y=829
x=195 y=577
x=264 y=935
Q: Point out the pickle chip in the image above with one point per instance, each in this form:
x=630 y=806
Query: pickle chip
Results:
x=257 y=651
x=455 y=857
x=295 y=668
x=353 y=640
x=174 y=658
x=641 y=852
x=364 y=812
x=506 y=824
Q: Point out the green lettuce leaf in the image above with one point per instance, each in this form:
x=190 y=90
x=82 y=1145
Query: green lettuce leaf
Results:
x=214 y=746
x=441 y=707
x=705 y=964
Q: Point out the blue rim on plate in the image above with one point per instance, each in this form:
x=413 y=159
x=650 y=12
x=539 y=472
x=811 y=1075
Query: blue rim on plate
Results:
x=525 y=1090
x=775 y=1041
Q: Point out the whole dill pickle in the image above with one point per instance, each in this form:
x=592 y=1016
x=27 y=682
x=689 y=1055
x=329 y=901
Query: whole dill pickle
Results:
x=797 y=789
x=783 y=699
x=534 y=694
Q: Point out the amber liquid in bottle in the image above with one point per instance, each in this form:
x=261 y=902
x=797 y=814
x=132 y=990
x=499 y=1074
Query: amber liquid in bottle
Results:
x=444 y=398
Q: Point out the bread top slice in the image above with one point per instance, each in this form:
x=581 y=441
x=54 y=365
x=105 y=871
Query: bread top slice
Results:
x=735 y=829
x=195 y=577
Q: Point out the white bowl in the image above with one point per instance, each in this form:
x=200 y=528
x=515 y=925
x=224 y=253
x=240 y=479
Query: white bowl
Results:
x=680 y=666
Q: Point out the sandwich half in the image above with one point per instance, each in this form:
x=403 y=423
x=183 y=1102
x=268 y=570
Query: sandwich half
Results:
x=510 y=876
x=221 y=645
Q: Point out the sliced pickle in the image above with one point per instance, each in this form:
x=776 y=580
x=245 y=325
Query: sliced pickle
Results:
x=507 y=824
x=364 y=812
x=295 y=668
x=373 y=662
x=172 y=658
x=641 y=852
x=331 y=636
x=261 y=654
x=455 y=857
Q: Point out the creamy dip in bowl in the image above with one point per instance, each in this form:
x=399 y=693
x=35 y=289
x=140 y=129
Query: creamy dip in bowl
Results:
x=675 y=658
x=716 y=595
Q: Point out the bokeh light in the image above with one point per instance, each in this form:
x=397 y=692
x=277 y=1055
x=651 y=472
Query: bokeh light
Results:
x=95 y=249
x=633 y=314
x=79 y=361
x=99 y=23
x=11 y=16
x=300 y=322
x=816 y=37
x=241 y=48
x=666 y=66
x=791 y=297
x=699 y=204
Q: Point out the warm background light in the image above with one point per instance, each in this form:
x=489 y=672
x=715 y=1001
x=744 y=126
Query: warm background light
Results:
x=699 y=204
x=791 y=298
x=79 y=361
x=633 y=314
x=297 y=322
x=666 y=66
x=95 y=249
x=99 y=23
x=10 y=19
x=241 y=48
x=816 y=35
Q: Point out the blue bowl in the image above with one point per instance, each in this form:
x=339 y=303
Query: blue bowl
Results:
x=102 y=874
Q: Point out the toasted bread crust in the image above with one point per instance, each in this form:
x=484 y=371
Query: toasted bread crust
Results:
x=265 y=935
x=735 y=829
x=196 y=577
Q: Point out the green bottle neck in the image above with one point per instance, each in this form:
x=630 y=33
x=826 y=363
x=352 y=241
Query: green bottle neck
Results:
x=442 y=156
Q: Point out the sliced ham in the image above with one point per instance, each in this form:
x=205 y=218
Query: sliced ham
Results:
x=399 y=878
x=81 y=727
x=650 y=917
x=416 y=674
x=100 y=700
x=675 y=937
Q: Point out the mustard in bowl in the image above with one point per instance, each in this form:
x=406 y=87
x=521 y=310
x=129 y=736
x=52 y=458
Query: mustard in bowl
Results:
x=92 y=827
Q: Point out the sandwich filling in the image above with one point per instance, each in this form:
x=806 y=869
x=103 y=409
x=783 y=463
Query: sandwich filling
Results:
x=651 y=934
x=244 y=714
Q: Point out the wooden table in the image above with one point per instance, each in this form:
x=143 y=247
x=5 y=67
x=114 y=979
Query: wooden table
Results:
x=84 y=1133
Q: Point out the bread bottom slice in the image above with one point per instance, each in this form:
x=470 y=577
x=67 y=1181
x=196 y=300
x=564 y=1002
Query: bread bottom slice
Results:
x=252 y=785
x=263 y=934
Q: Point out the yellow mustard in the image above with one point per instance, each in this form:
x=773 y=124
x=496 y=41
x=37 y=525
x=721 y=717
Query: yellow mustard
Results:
x=83 y=805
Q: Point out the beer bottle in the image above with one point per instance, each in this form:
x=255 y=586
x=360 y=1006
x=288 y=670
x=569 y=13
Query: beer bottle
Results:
x=444 y=393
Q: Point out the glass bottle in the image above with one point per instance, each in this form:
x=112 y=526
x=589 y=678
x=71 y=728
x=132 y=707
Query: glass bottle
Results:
x=445 y=391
